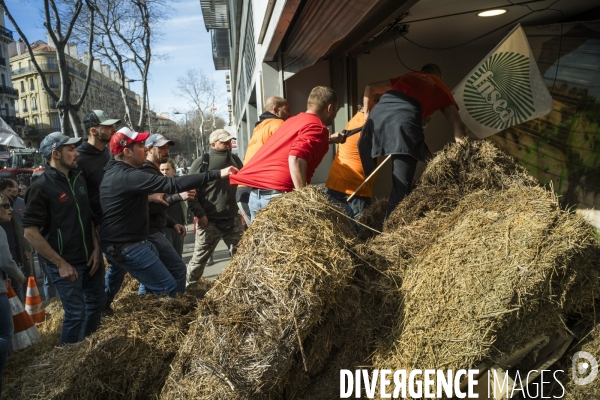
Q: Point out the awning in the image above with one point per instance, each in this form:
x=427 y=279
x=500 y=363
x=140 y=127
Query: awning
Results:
x=320 y=25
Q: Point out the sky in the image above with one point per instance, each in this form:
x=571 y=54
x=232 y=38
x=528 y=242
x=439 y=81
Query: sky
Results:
x=184 y=41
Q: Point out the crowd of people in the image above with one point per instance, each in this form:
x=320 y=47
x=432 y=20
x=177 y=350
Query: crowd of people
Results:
x=116 y=195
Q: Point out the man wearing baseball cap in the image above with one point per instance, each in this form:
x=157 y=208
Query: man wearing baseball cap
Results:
x=94 y=154
x=125 y=225
x=214 y=206
x=59 y=223
x=158 y=152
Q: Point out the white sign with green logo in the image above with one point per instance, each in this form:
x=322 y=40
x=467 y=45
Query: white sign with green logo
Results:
x=505 y=89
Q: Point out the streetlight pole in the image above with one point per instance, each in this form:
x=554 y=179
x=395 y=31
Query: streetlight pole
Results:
x=147 y=101
x=187 y=135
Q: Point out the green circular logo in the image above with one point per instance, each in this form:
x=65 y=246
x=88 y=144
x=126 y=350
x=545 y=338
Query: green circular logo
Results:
x=498 y=94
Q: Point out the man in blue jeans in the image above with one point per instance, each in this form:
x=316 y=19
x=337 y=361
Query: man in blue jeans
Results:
x=125 y=228
x=59 y=224
x=158 y=153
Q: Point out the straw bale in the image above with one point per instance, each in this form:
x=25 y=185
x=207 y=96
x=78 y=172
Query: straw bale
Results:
x=128 y=357
x=472 y=166
x=587 y=338
x=290 y=270
x=371 y=304
x=502 y=269
x=418 y=203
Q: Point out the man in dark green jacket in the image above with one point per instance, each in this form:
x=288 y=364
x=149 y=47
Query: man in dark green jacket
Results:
x=214 y=206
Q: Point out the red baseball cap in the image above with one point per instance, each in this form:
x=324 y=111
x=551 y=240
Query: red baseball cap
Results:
x=124 y=137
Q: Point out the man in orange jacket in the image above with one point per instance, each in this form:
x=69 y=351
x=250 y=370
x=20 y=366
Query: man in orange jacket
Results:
x=277 y=110
x=347 y=174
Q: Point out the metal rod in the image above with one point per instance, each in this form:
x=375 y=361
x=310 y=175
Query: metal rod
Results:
x=369 y=177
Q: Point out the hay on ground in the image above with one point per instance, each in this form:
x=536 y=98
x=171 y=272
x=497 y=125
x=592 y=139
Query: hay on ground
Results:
x=289 y=272
x=128 y=357
x=503 y=269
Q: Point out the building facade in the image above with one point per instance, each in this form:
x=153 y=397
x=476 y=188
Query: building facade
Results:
x=287 y=47
x=8 y=94
x=39 y=110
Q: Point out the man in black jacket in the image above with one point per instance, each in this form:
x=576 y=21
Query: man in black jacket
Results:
x=124 y=199
x=60 y=225
x=158 y=151
x=93 y=157
x=215 y=207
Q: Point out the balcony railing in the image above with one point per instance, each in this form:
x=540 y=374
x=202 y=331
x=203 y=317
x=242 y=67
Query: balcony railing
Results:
x=40 y=132
x=9 y=91
x=34 y=108
x=31 y=68
x=14 y=121
x=6 y=33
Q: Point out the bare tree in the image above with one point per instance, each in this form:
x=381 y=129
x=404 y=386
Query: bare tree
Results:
x=60 y=35
x=124 y=35
x=202 y=93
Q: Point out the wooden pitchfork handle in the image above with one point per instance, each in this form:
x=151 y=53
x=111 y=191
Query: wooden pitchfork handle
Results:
x=369 y=177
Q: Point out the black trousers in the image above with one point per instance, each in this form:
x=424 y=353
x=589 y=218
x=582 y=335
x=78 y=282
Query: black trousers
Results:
x=403 y=172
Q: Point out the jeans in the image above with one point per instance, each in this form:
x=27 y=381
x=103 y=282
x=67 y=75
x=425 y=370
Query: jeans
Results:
x=257 y=202
x=82 y=299
x=6 y=332
x=171 y=260
x=354 y=208
x=403 y=172
x=141 y=260
x=168 y=257
x=49 y=289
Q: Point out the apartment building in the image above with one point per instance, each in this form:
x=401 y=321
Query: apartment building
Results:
x=286 y=47
x=8 y=94
x=39 y=110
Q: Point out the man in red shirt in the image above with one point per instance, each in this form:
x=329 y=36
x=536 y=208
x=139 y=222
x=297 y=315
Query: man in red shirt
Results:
x=288 y=160
x=395 y=125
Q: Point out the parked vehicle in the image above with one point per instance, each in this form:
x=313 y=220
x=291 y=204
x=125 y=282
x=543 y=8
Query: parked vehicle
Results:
x=24 y=165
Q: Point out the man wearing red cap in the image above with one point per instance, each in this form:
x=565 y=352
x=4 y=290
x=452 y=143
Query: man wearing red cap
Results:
x=124 y=200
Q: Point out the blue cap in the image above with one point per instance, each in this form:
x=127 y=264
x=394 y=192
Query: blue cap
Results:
x=54 y=140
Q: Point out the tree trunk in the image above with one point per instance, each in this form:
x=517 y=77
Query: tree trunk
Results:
x=75 y=123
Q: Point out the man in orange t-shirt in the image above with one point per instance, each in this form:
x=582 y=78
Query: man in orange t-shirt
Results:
x=277 y=110
x=395 y=125
x=347 y=174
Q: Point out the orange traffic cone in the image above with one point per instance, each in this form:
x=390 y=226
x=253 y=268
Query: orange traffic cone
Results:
x=33 y=302
x=25 y=333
